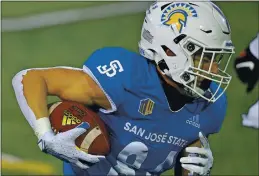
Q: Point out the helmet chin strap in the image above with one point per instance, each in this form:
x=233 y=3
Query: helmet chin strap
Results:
x=191 y=93
x=161 y=64
x=166 y=75
x=203 y=89
x=168 y=80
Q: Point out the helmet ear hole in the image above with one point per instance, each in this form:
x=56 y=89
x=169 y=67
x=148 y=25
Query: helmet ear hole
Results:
x=191 y=47
x=167 y=51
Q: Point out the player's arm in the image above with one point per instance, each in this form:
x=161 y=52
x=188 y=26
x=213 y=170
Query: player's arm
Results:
x=66 y=83
x=247 y=65
x=34 y=85
x=196 y=158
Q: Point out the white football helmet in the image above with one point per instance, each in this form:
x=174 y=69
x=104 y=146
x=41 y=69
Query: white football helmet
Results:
x=188 y=29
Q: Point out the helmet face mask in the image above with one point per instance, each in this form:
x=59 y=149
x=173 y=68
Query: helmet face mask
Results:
x=200 y=45
x=208 y=65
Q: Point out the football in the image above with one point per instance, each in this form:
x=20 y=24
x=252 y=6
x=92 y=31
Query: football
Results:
x=67 y=115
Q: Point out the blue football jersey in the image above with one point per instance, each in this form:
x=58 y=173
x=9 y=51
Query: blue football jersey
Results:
x=145 y=135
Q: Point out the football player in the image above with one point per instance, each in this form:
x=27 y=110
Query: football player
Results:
x=159 y=106
x=247 y=69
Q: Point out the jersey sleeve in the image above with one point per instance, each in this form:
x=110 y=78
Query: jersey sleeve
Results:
x=221 y=116
x=218 y=112
x=110 y=69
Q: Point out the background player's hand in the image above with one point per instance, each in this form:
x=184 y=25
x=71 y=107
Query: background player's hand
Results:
x=62 y=146
x=199 y=160
x=247 y=68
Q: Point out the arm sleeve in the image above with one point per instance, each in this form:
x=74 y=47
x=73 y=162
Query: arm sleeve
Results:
x=21 y=99
x=18 y=89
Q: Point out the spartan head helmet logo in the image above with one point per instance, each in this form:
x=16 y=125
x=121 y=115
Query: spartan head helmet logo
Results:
x=177 y=13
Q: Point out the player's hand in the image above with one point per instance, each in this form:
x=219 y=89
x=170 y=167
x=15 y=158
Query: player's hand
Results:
x=62 y=146
x=247 y=69
x=200 y=160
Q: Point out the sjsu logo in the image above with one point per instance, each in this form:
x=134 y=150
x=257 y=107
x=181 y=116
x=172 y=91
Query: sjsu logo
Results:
x=112 y=70
x=177 y=13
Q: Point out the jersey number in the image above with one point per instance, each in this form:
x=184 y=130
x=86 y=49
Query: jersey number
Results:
x=112 y=70
x=141 y=155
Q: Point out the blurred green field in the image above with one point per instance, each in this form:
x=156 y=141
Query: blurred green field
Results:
x=13 y=9
x=235 y=148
